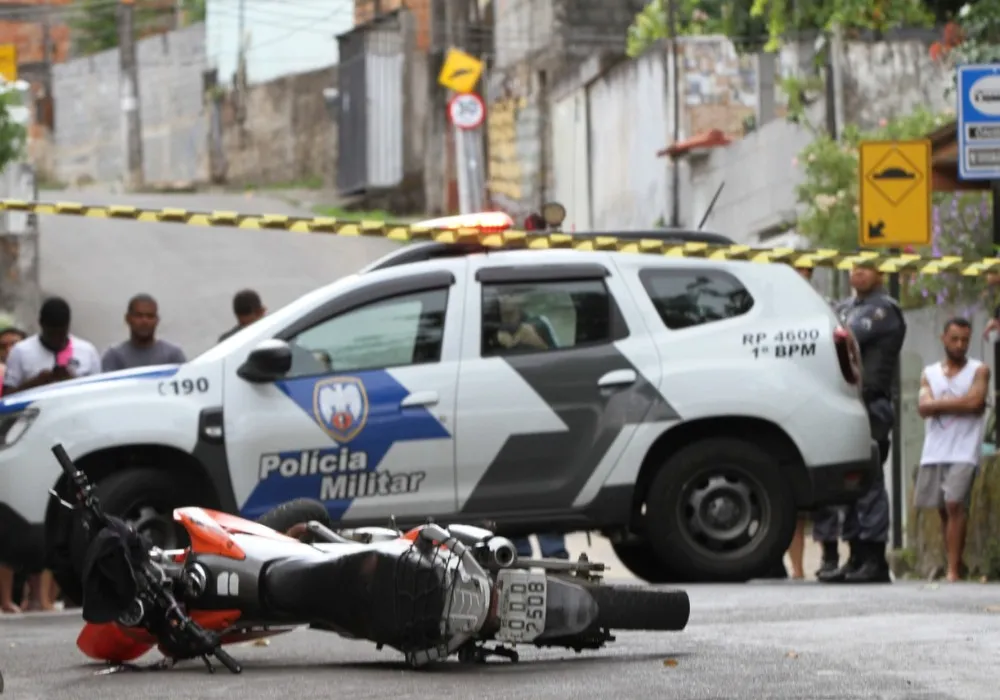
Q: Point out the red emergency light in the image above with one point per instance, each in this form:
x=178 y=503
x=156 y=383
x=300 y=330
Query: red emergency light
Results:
x=485 y=221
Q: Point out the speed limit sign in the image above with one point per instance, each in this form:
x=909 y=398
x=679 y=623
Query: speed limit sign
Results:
x=467 y=111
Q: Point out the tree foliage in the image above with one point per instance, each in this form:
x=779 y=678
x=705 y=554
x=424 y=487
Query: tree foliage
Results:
x=13 y=134
x=95 y=22
x=753 y=25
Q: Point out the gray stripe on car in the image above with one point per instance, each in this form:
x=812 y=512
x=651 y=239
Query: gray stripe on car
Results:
x=546 y=471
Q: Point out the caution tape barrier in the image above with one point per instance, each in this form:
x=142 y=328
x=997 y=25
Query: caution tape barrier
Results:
x=540 y=240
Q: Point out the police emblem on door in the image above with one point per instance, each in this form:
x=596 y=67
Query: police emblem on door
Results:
x=340 y=406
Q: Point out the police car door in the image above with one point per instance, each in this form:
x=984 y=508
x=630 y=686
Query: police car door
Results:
x=364 y=419
x=540 y=430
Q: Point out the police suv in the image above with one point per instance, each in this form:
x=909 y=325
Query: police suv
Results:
x=686 y=408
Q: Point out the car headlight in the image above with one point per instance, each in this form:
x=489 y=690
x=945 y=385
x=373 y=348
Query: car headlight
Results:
x=14 y=425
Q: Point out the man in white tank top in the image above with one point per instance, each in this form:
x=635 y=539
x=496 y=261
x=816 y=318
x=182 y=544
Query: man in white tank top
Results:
x=952 y=402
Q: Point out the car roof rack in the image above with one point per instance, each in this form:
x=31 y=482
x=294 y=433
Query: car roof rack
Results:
x=432 y=250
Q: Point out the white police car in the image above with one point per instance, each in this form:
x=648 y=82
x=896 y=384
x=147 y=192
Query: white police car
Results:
x=687 y=408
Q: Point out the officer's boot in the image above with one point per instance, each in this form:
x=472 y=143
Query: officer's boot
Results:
x=830 y=561
x=853 y=562
x=874 y=567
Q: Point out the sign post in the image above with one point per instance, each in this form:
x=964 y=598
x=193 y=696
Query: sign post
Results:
x=466 y=112
x=895 y=211
x=979 y=155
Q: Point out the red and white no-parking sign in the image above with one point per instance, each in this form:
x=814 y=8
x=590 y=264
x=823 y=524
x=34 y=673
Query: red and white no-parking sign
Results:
x=467 y=110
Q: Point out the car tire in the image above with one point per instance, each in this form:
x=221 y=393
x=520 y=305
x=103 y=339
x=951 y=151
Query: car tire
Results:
x=702 y=506
x=300 y=510
x=122 y=493
x=642 y=561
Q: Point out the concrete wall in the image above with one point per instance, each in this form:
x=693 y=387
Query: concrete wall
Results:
x=20 y=293
x=289 y=134
x=282 y=38
x=890 y=79
x=537 y=45
x=88 y=133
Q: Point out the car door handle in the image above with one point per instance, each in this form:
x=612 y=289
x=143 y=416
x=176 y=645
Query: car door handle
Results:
x=618 y=377
x=419 y=398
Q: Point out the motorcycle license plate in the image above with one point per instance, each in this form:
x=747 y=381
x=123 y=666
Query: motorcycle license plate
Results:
x=522 y=604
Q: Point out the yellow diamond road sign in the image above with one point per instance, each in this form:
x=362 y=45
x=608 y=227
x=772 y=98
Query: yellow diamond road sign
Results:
x=895 y=193
x=460 y=71
x=8 y=62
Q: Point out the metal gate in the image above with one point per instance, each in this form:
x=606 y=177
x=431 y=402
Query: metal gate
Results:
x=370 y=114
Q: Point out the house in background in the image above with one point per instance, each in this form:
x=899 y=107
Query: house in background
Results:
x=280 y=38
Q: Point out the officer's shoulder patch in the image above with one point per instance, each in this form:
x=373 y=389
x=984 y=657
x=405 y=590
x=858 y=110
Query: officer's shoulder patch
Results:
x=878 y=314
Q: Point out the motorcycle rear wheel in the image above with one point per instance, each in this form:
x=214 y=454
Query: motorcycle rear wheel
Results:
x=640 y=608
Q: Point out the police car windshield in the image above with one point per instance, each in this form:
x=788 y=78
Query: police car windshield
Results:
x=274 y=321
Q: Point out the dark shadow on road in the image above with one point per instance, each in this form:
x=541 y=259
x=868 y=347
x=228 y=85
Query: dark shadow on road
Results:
x=451 y=667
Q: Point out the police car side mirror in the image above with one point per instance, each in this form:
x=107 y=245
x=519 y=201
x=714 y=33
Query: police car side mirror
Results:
x=267 y=362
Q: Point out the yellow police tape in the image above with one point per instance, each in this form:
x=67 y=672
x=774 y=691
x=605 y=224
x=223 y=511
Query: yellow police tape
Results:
x=540 y=240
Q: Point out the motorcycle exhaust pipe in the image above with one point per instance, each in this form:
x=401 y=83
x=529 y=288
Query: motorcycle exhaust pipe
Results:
x=502 y=552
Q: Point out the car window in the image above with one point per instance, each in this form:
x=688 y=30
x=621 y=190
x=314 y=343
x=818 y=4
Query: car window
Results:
x=689 y=297
x=403 y=330
x=538 y=316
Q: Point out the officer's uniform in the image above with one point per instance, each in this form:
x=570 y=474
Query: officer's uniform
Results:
x=879 y=327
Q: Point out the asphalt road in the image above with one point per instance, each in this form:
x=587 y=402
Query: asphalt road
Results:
x=786 y=640
x=97 y=264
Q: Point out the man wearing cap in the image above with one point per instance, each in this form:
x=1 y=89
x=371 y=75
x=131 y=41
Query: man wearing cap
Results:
x=877 y=322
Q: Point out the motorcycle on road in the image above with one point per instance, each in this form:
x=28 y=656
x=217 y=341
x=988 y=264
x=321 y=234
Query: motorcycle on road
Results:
x=430 y=592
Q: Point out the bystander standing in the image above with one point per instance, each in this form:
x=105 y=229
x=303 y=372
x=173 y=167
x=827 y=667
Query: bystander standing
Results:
x=142 y=348
x=247 y=308
x=51 y=355
x=952 y=401
x=9 y=337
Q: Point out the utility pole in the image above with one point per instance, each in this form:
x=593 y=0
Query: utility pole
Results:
x=47 y=60
x=675 y=182
x=129 y=84
x=240 y=20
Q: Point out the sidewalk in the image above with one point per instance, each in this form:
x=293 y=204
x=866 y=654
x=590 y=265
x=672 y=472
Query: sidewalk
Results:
x=600 y=550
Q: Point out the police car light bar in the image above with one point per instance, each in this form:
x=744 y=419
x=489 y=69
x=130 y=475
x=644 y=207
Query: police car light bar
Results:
x=486 y=221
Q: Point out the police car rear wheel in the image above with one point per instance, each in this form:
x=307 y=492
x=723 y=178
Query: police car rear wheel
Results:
x=721 y=510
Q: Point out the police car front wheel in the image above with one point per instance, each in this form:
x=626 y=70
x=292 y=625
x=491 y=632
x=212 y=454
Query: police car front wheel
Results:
x=143 y=496
x=721 y=510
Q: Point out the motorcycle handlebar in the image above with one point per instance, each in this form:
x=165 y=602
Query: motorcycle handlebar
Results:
x=69 y=469
x=187 y=626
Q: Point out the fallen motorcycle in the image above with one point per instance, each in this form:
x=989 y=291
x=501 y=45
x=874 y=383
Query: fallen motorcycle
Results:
x=429 y=592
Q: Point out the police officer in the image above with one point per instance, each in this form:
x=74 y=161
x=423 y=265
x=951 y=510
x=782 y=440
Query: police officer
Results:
x=877 y=323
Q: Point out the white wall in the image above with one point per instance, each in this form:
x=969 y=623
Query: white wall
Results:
x=294 y=36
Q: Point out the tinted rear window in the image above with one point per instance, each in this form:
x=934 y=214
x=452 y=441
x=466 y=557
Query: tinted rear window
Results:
x=686 y=297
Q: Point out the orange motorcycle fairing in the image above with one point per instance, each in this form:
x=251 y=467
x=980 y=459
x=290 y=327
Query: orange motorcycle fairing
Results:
x=116 y=644
x=207 y=535
x=110 y=642
x=237 y=525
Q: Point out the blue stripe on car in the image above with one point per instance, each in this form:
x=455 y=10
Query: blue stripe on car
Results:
x=372 y=428
x=17 y=402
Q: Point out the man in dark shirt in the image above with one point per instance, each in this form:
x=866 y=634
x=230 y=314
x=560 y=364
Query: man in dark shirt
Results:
x=142 y=348
x=247 y=308
x=878 y=325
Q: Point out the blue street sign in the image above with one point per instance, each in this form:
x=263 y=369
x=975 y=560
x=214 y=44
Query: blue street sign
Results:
x=979 y=122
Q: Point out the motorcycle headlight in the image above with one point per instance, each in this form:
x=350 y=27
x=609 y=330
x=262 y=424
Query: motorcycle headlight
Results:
x=14 y=425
